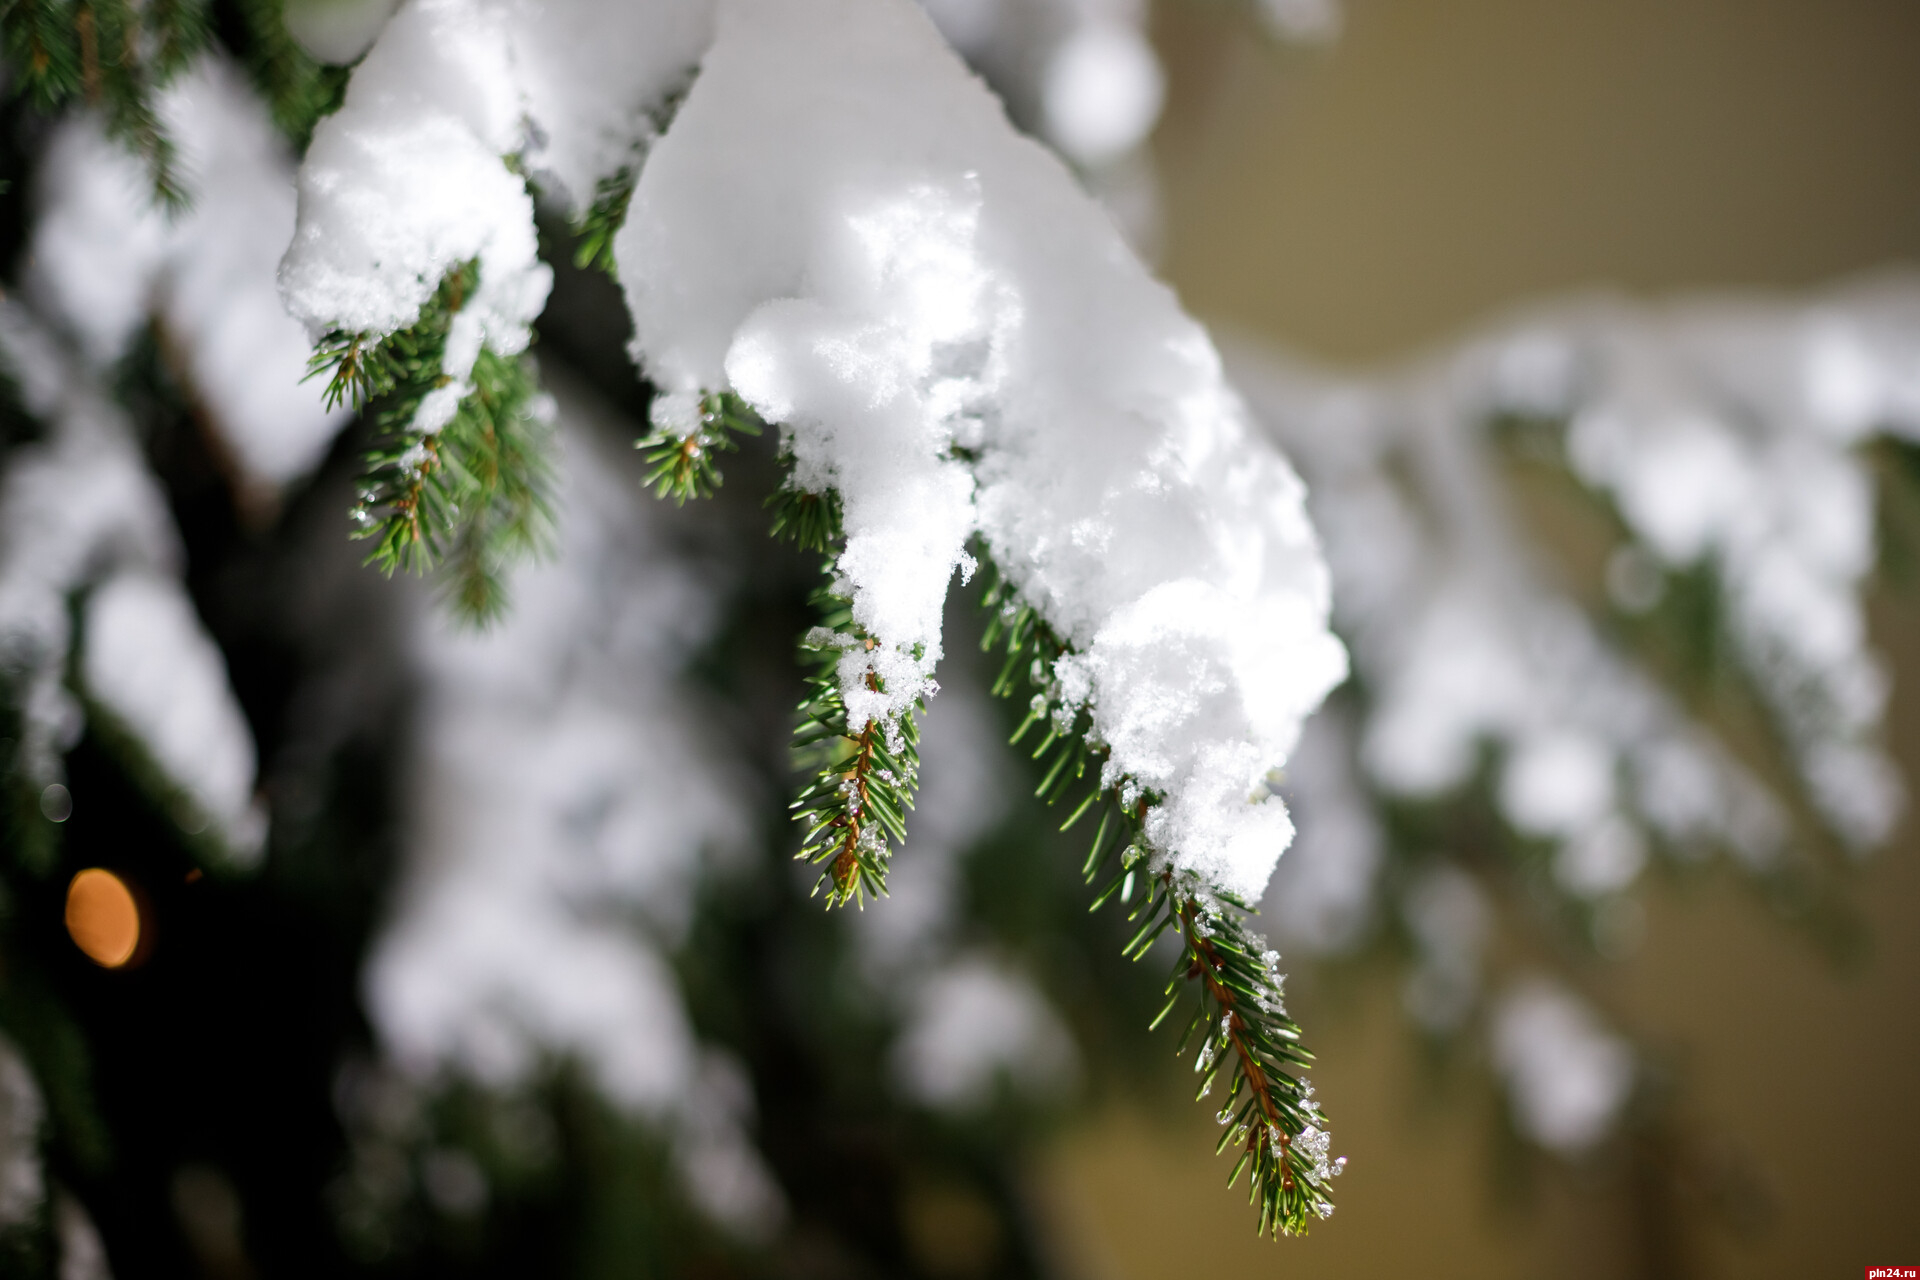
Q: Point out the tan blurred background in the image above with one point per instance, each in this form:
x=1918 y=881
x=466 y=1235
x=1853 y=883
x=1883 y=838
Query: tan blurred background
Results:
x=1446 y=159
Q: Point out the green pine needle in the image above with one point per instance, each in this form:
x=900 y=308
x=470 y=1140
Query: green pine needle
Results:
x=603 y=219
x=1247 y=1037
x=864 y=777
x=811 y=521
x=683 y=464
x=473 y=494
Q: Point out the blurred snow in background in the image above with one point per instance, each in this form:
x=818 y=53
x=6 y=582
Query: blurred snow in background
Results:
x=104 y=261
x=1728 y=438
x=563 y=795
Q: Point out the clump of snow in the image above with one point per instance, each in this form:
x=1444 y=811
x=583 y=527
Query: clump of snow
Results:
x=1567 y=1076
x=148 y=663
x=407 y=180
x=848 y=233
x=411 y=178
x=79 y=510
x=103 y=259
x=563 y=796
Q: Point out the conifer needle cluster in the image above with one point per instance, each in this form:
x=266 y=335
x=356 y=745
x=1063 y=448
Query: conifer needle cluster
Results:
x=472 y=493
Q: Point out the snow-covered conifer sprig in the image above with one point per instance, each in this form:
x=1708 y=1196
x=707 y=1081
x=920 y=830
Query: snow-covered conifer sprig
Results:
x=854 y=808
x=1240 y=1009
x=688 y=434
x=472 y=492
x=116 y=55
x=864 y=776
x=810 y=521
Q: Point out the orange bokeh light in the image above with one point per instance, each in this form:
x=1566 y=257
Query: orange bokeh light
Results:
x=104 y=917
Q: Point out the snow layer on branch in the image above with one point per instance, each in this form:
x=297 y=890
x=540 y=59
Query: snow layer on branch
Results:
x=408 y=180
x=596 y=78
x=411 y=177
x=103 y=258
x=79 y=510
x=841 y=225
x=562 y=798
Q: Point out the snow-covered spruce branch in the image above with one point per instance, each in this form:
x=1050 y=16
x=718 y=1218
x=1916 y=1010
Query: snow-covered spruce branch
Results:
x=459 y=471
x=865 y=774
x=1240 y=1008
x=855 y=808
x=688 y=433
x=845 y=236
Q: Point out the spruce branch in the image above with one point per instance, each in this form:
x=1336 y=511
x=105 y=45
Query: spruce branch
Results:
x=811 y=521
x=681 y=451
x=1240 y=1009
x=607 y=212
x=179 y=30
x=116 y=56
x=43 y=49
x=597 y=227
x=864 y=777
x=472 y=493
